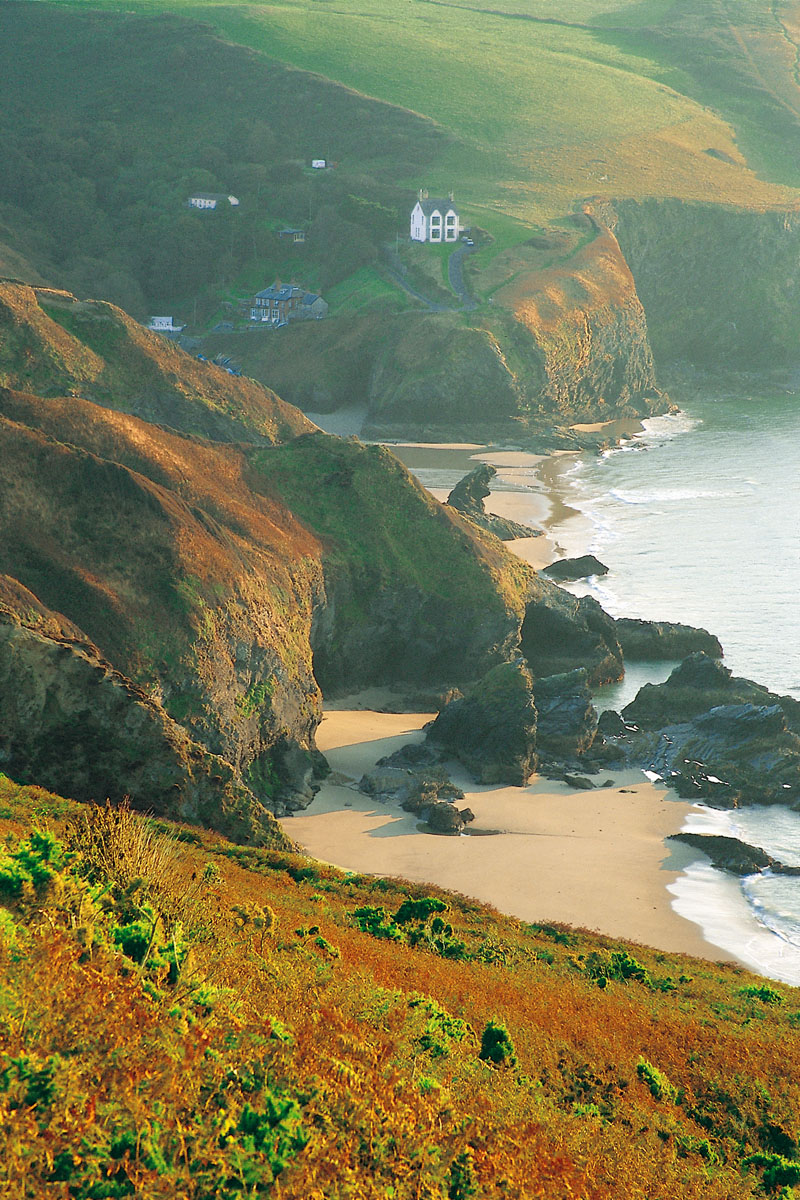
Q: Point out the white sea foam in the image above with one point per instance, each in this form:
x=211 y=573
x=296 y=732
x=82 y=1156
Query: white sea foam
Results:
x=717 y=903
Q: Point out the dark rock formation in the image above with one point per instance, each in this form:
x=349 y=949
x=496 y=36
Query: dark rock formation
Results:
x=575 y=568
x=413 y=789
x=71 y=723
x=657 y=640
x=565 y=716
x=446 y=818
x=561 y=632
x=696 y=685
x=468 y=496
x=492 y=731
x=729 y=854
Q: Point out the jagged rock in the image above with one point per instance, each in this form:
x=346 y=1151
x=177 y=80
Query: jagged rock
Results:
x=566 y=717
x=727 y=853
x=561 y=632
x=656 y=640
x=492 y=731
x=412 y=756
x=445 y=818
x=578 y=781
x=733 y=754
x=696 y=685
x=431 y=701
x=468 y=496
x=568 y=569
x=413 y=790
x=611 y=724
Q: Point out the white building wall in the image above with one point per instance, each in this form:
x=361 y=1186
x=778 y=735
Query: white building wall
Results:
x=419 y=230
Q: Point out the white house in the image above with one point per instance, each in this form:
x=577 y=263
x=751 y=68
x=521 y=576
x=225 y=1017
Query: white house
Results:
x=319 y=164
x=210 y=200
x=164 y=325
x=435 y=220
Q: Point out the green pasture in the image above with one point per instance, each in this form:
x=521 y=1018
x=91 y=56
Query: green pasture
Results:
x=523 y=85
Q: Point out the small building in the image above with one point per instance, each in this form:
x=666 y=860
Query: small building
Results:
x=164 y=325
x=319 y=164
x=434 y=220
x=313 y=306
x=208 y=201
x=296 y=236
x=284 y=301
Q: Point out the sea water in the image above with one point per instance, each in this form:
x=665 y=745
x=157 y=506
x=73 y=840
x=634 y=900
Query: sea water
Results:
x=697 y=519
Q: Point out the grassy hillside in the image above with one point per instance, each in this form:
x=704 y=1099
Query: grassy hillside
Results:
x=185 y=1018
x=551 y=102
x=123 y=117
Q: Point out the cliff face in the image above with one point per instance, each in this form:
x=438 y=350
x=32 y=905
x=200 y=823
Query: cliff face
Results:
x=589 y=326
x=68 y=717
x=719 y=285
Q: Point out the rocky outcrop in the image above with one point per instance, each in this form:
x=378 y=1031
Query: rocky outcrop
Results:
x=566 y=718
x=468 y=496
x=589 y=326
x=653 y=641
x=414 y=788
x=570 y=569
x=492 y=730
x=731 y=855
x=71 y=723
x=713 y=736
x=561 y=632
x=698 y=684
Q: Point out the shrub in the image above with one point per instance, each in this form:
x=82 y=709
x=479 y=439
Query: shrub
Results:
x=764 y=993
x=660 y=1087
x=778 y=1171
x=497 y=1046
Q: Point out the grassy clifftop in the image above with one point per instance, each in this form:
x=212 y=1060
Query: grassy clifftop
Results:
x=187 y=1018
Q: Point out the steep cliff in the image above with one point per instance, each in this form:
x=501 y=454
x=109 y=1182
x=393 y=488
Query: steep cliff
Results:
x=67 y=716
x=589 y=327
x=719 y=285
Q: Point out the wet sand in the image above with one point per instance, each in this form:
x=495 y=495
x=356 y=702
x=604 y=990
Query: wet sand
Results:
x=594 y=859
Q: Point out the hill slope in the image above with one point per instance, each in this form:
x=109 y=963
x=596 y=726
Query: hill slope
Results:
x=301 y=1032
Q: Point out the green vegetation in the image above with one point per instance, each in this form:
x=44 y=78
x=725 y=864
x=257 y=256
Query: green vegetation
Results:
x=183 y=1017
x=99 y=206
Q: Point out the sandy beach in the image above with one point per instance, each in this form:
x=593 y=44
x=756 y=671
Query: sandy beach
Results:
x=595 y=859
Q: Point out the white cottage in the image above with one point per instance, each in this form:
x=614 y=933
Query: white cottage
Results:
x=208 y=201
x=435 y=220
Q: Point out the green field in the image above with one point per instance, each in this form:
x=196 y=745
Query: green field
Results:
x=548 y=102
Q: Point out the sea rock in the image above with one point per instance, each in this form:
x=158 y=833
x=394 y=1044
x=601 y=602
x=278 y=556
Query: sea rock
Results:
x=729 y=854
x=575 y=568
x=468 y=496
x=561 y=632
x=733 y=754
x=492 y=731
x=566 y=717
x=657 y=640
x=696 y=685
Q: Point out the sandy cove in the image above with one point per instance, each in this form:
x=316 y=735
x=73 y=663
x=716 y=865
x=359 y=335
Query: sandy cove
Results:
x=595 y=859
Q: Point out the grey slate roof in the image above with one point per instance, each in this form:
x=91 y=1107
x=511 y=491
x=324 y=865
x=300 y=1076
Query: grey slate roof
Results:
x=442 y=206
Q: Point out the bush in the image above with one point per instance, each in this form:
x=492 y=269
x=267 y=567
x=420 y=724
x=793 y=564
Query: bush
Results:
x=660 y=1087
x=497 y=1046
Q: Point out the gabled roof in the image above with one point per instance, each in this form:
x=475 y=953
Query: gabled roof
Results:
x=442 y=206
x=283 y=291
